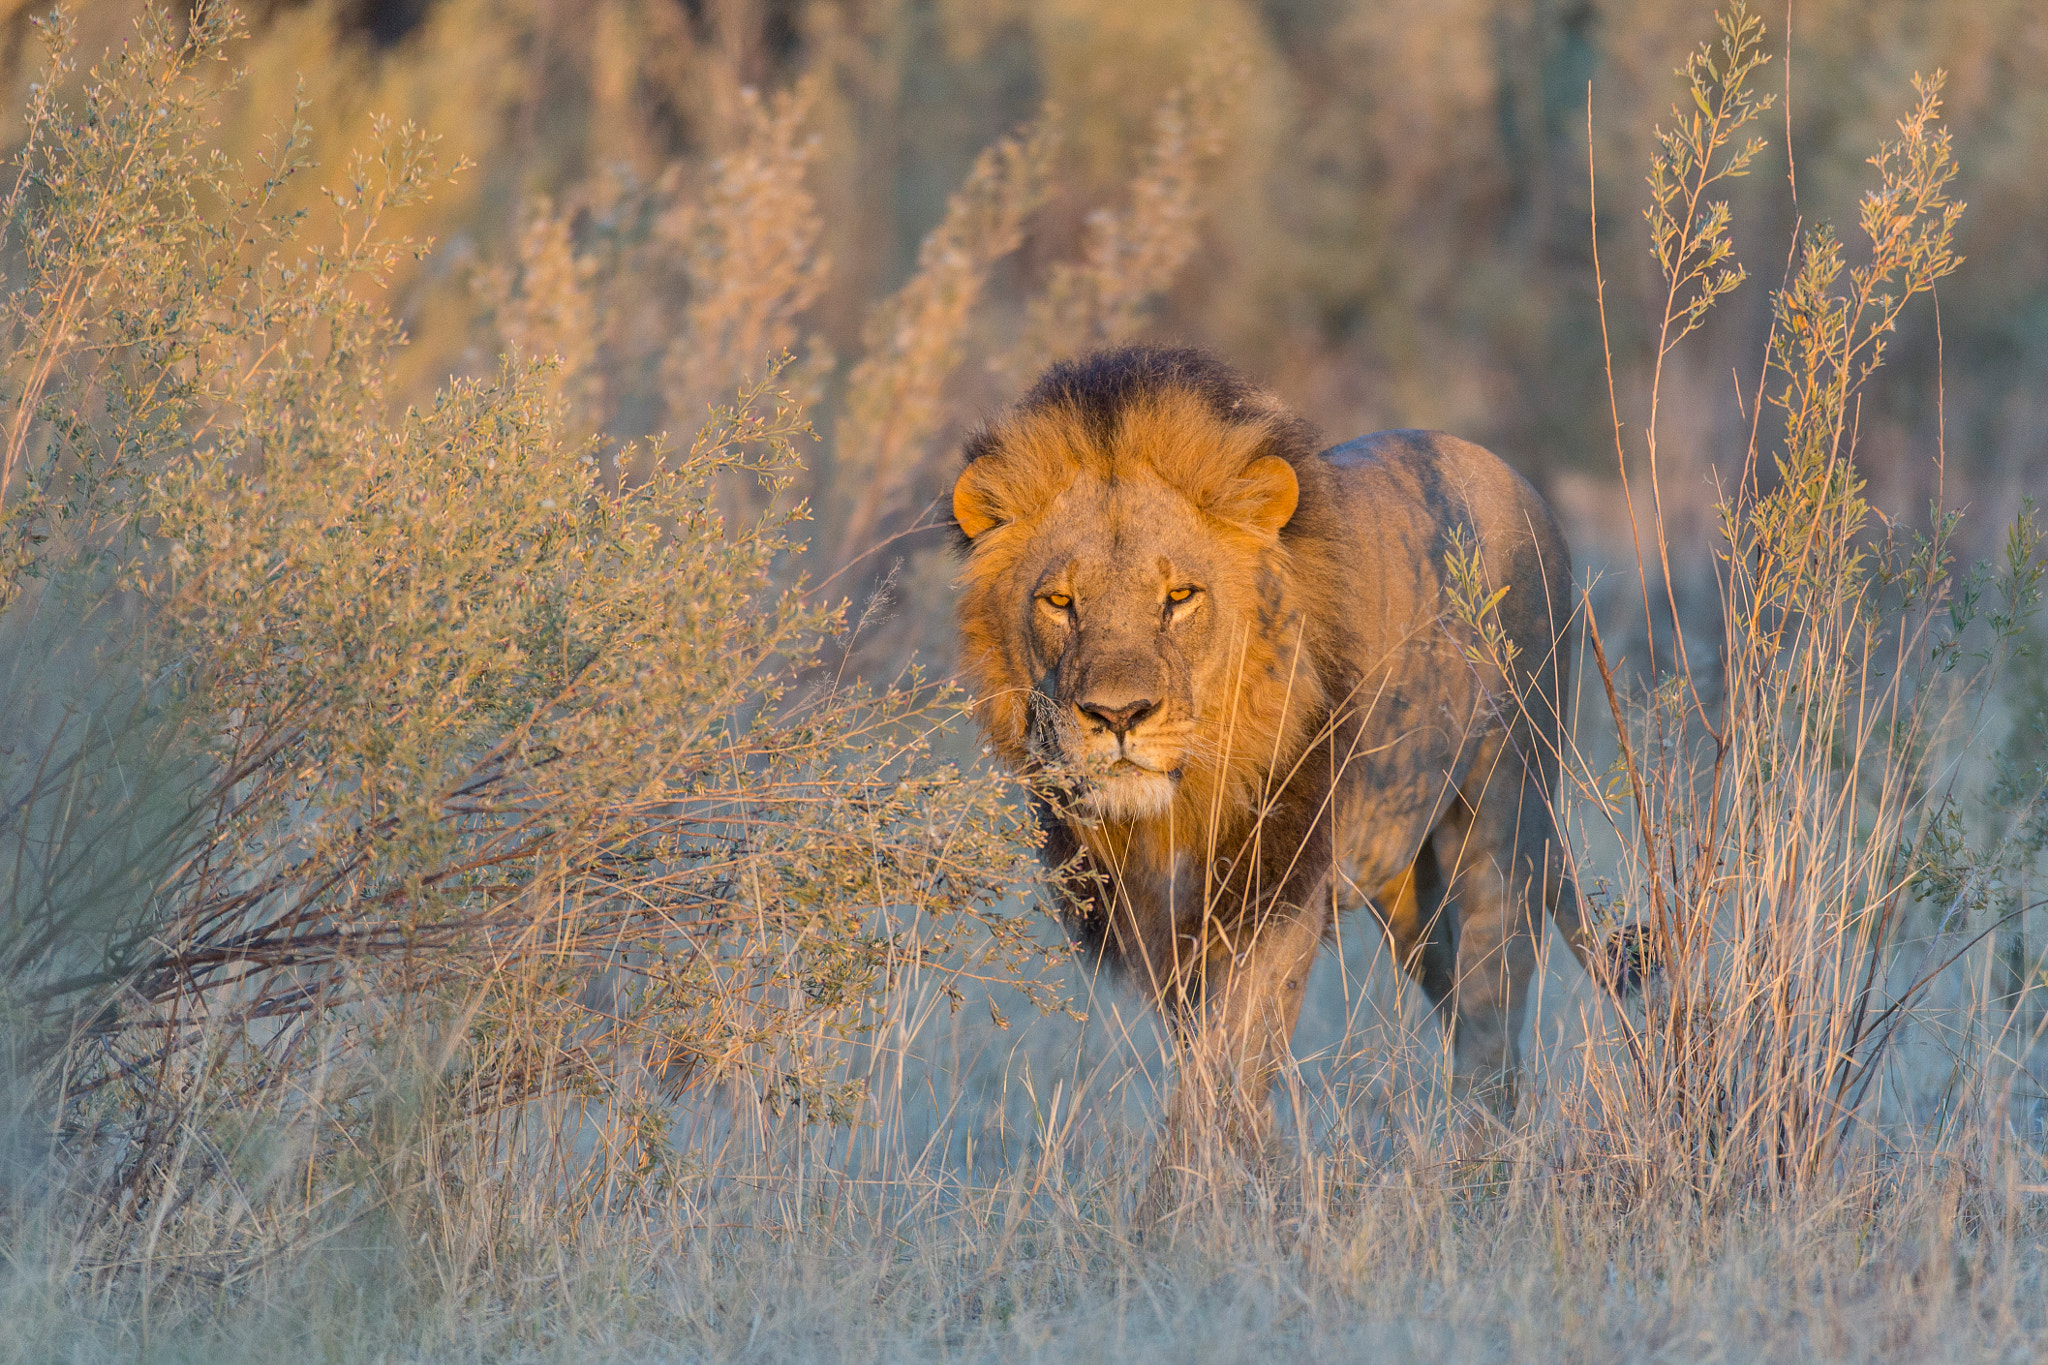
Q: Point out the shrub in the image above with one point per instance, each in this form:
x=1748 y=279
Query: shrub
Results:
x=468 y=768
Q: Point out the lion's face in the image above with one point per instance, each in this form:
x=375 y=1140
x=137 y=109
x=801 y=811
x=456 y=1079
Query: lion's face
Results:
x=1120 y=634
x=1113 y=603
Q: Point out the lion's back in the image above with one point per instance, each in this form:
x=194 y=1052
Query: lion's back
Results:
x=1414 y=496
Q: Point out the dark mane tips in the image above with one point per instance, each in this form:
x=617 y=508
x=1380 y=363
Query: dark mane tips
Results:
x=1097 y=388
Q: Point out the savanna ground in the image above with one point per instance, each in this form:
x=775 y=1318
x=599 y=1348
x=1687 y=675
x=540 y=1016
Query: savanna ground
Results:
x=479 y=881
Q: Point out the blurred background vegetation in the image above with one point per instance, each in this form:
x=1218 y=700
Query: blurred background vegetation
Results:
x=1381 y=206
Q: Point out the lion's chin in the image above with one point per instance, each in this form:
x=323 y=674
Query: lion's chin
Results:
x=1130 y=794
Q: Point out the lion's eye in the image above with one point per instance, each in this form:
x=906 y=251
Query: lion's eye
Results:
x=1059 y=600
x=1180 y=594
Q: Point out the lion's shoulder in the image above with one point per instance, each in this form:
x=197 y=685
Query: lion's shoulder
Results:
x=1433 y=482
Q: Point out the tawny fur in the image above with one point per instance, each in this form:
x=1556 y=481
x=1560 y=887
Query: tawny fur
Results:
x=1314 y=727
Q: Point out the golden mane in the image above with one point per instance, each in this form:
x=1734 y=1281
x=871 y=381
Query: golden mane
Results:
x=1027 y=460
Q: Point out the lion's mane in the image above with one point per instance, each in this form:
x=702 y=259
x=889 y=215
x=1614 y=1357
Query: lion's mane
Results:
x=1197 y=425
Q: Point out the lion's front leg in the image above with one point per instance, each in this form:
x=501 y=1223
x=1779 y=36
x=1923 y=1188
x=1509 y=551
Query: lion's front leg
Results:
x=1234 y=1042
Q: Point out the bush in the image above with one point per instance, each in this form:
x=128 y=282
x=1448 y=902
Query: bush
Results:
x=470 y=769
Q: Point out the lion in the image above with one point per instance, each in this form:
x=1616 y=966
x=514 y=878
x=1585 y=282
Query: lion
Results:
x=1232 y=667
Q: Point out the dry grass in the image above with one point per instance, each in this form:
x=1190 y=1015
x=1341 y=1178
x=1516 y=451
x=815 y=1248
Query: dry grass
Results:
x=983 y=1214
x=468 y=915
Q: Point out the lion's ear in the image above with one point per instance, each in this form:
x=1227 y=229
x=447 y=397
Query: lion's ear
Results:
x=1267 y=493
x=972 y=509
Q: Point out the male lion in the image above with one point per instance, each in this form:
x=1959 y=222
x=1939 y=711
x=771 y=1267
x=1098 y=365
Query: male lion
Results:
x=1233 y=669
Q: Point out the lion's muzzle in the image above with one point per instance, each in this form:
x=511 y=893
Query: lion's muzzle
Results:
x=1111 y=725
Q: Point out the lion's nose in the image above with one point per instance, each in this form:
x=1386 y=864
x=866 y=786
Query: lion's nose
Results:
x=1119 y=719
